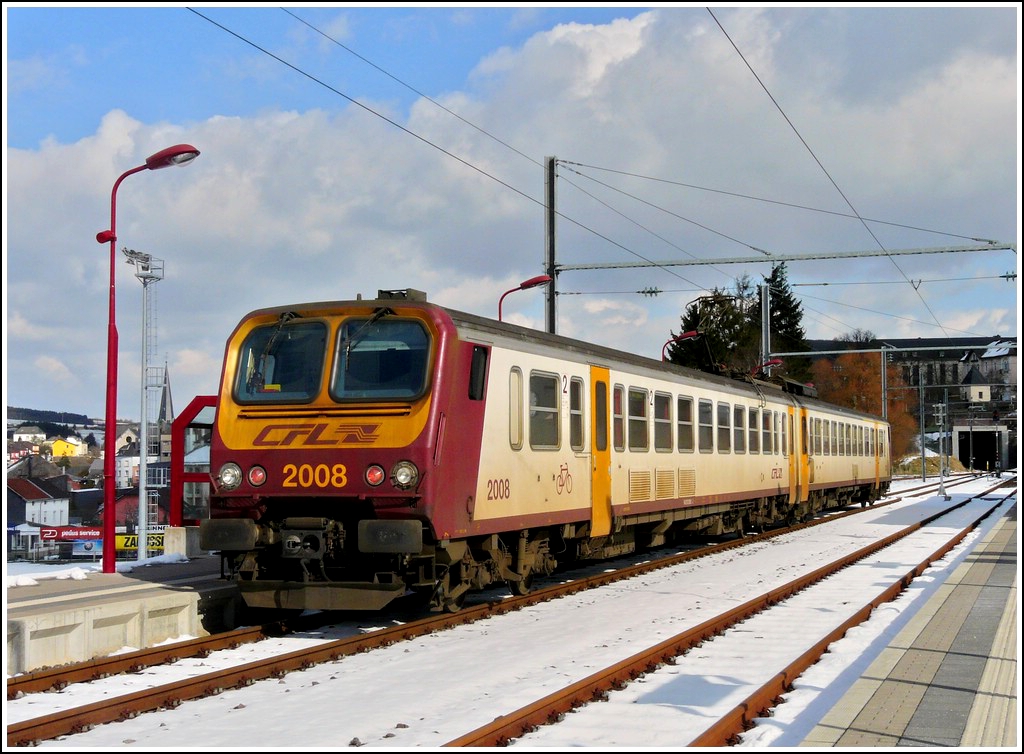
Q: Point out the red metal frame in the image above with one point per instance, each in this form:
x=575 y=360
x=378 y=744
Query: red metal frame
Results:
x=178 y=475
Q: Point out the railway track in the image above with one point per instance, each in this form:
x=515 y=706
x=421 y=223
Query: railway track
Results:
x=58 y=678
x=169 y=695
x=728 y=728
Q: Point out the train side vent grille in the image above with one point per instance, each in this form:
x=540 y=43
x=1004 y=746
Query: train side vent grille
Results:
x=639 y=486
x=687 y=482
x=664 y=484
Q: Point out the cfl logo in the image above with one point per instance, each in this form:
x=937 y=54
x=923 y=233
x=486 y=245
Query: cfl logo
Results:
x=312 y=435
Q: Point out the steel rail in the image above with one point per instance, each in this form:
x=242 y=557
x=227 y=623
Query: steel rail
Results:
x=551 y=708
x=60 y=677
x=76 y=720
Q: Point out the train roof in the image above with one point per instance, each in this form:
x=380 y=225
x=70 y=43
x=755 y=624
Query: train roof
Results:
x=803 y=394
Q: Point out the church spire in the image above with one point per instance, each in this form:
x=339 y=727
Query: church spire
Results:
x=166 y=415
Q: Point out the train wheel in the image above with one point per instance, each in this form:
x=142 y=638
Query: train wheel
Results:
x=521 y=587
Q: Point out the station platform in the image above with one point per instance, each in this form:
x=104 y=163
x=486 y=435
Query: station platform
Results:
x=949 y=678
x=55 y=622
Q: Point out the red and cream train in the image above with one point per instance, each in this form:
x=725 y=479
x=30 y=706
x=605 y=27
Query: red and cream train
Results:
x=368 y=449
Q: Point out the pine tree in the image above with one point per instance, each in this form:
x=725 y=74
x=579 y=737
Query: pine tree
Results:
x=730 y=328
x=725 y=343
x=787 y=332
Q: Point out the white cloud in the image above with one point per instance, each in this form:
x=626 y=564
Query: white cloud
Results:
x=325 y=203
x=56 y=371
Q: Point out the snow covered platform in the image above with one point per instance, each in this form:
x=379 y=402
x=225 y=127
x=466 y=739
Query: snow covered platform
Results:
x=949 y=677
x=62 y=614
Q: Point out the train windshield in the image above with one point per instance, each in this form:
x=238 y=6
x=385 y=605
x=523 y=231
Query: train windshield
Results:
x=380 y=359
x=282 y=362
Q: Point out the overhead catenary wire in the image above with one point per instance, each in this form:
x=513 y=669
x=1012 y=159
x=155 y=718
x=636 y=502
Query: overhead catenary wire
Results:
x=483 y=131
x=792 y=205
x=823 y=169
x=523 y=194
x=417 y=136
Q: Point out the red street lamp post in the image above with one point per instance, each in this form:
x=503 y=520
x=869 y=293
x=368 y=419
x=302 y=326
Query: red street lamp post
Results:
x=525 y=285
x=181 y=154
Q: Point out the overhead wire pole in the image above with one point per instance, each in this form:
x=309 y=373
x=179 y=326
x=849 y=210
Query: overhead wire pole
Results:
x=766 y=325
x=549 y=242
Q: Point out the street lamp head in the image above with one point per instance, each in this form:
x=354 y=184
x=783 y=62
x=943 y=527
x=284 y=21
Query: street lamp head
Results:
x=534 y=282
x=525 y=285
x=179 y=154
x=688 y=335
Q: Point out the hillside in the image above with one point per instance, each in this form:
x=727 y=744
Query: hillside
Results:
x=37 y=416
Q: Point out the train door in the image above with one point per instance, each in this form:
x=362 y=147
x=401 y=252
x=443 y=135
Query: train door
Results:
x=792 y=443
x=600 y=455
x=878 y=450
x=803 y=452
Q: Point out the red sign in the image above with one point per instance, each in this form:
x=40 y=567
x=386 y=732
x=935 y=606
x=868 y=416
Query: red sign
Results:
x=70 y=532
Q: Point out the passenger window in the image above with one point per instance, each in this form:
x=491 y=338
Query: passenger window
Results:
x=705 y=427
x=515 y=408
x=662 y=422
x=684 y=424
x=724 y=430
x=739 y=428
x=618 y=419
x=576 y=413
x=638 y=432
x=601 y=415
x=544 y=421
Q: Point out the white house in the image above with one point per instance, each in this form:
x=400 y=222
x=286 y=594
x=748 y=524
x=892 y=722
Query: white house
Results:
x=28 y=434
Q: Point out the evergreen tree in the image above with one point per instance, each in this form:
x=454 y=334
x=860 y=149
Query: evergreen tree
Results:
x=726 y=343
x=787 y=332
x=729 y=324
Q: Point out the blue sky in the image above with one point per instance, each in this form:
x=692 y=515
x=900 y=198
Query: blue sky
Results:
x=682 y=133
x=71 y=65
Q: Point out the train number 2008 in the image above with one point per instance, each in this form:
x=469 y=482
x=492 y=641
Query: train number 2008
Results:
x=320 y=475
x=499 y=489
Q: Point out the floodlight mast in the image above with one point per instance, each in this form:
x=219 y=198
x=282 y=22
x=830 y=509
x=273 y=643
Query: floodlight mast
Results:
x=149 y=270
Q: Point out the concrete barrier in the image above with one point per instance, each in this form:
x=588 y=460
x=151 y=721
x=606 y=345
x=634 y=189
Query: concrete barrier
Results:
x=77 y=634
x=182 y=540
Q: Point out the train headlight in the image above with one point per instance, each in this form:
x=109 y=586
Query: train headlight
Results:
x=405 y=475
x=257 y=476
x=374 y=475
x=229 y=476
